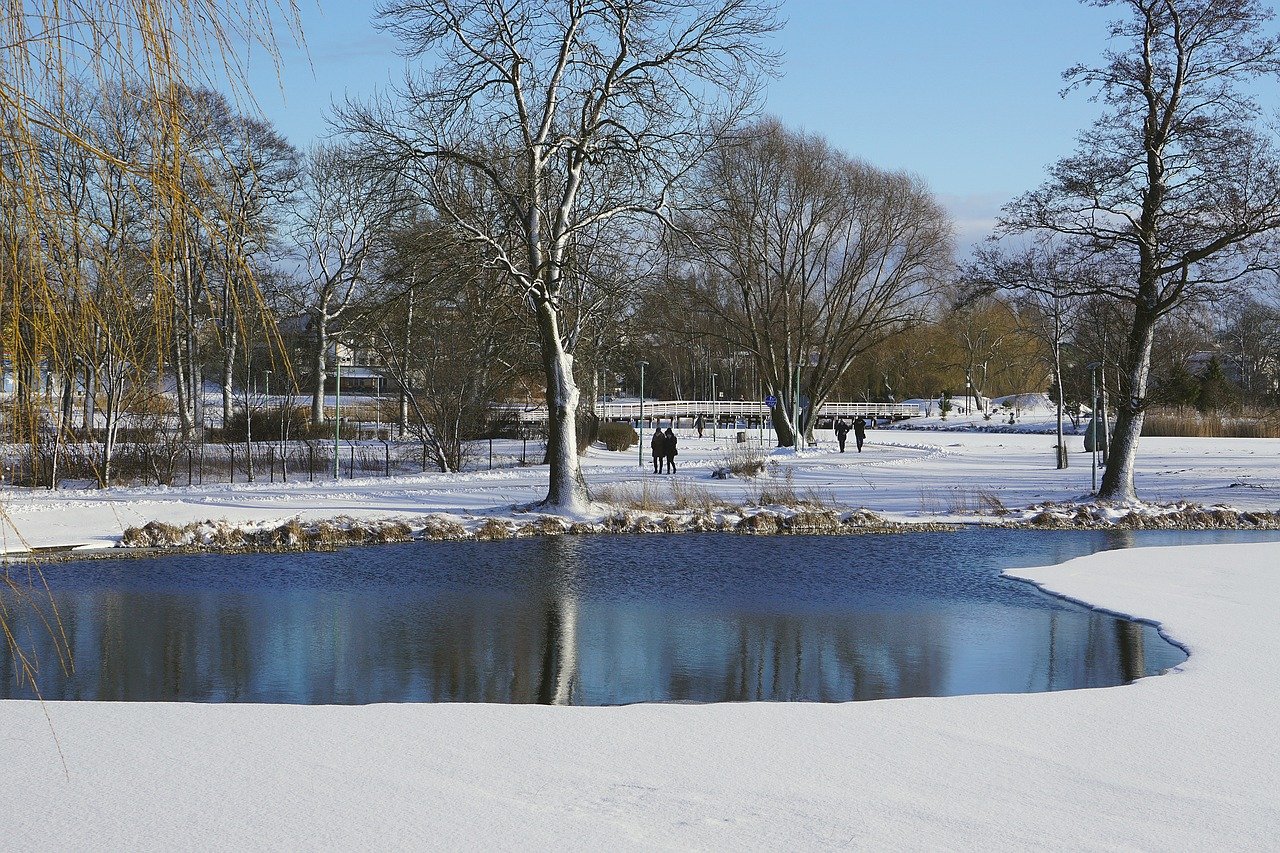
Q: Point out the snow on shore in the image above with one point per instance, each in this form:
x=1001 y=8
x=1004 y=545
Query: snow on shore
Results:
x=905 y=476
x=1189 y=760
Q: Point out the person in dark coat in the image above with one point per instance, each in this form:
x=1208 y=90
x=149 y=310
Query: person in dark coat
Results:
x=669 y=446
x=859 y=431
x=698 y=425
x=658 y=447
x=842 y=432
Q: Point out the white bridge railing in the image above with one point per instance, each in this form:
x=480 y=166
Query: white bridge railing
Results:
x=725 y=408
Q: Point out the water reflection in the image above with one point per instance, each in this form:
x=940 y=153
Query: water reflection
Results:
x=587 y=621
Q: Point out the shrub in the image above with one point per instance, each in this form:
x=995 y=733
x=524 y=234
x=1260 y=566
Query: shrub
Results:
x=588 y=430
x=618 y=436
x=266 y=425
x=745 y=461
x=776 y=490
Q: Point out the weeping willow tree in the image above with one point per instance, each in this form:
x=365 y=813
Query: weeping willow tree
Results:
x=111 y=186
x=97 y=207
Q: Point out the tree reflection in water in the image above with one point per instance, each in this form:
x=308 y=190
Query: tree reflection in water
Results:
x=582 y=620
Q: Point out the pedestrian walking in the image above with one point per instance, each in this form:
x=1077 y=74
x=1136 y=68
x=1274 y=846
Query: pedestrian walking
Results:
x=699 y=424
x=658 y=447
x=842 y=432
x=669 y=446
x=859 y=431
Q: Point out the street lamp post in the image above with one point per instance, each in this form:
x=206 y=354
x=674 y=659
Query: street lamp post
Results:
x=1102 y=407
x=337 y=407
x=1093 y=421
x=267 y=394
x=715 y=408
x=640 y=422
x=985 y=413
x=814 y=355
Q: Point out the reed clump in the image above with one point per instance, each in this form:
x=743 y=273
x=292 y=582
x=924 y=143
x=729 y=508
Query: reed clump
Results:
x=1187 y=422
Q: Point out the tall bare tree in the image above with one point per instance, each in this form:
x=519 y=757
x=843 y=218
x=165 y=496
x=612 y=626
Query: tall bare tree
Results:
x=1041 y=278
x=795 y=247
x=449 y=334
x=1175 y=189
x=344 y=217
x=535 y=122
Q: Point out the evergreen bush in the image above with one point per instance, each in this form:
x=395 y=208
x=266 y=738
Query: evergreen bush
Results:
x=618 y=436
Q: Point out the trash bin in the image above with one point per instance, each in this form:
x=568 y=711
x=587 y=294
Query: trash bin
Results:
x=742 y=438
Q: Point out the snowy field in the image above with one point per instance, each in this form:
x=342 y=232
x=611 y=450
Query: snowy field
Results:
x=907 y=475
x=1185 y=761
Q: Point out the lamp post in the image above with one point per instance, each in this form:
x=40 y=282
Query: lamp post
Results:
x=814 y=356
x=1093 y=420
x=984 y=385
x=1102 y=406
x=337 y=407
x=267 y=394
x=640 y=452
x=715 y=408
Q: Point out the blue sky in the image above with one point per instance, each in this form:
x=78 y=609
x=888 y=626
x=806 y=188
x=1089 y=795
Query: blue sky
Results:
x=964 y=94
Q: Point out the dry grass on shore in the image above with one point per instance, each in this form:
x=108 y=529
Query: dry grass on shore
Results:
x=1184 y=421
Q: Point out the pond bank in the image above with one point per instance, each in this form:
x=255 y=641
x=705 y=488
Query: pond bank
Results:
x=299 y=535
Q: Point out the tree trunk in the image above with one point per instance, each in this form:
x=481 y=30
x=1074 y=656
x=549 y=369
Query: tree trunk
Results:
x=66 y=416
x=183 y=350
x=90 y=400
x=228 y=371
x=402 y=421
x=180 y=381
x=780 y=414
x=1122 y=448
x=115 y=389
x=319 y=368
x=568 y=488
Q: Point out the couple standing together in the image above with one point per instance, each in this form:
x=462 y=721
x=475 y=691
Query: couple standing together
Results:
x=859 y=432
x=664 y=449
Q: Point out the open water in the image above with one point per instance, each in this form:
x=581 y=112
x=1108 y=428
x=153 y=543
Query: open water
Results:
x=592 y=620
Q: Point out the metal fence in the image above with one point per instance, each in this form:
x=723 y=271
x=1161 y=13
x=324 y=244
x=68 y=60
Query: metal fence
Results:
x=151 y=464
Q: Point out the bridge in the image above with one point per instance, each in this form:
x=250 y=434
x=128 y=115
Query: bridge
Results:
x=732 y=410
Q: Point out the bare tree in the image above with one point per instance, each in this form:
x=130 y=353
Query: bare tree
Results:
x=538 y=121
x=449 y=334
x=251 y=177
x=141 y=53
x=795 y=247
x=1249 y=333
x=1041 y=277
x=1175 y=190
x=346 y=210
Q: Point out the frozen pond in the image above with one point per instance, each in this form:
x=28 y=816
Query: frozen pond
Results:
x=595 y=620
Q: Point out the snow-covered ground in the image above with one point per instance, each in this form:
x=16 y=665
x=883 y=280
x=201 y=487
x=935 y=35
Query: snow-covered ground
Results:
x=1190 y=760
x=907 y=475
